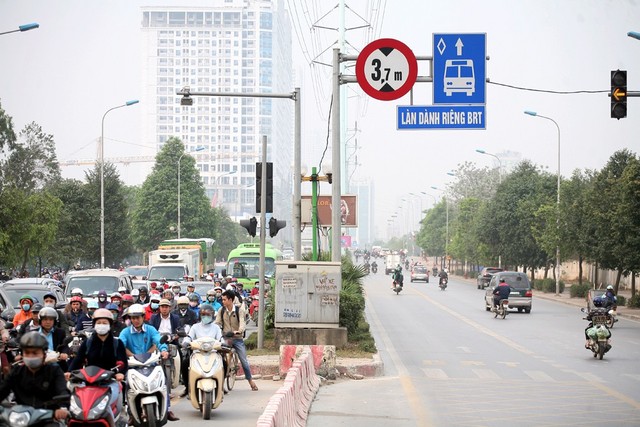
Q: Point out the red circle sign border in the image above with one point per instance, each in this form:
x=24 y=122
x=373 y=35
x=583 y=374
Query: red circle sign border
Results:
x=406 y=52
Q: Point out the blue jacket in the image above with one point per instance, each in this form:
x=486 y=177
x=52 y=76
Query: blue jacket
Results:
x=141 y=342
x=173 y=318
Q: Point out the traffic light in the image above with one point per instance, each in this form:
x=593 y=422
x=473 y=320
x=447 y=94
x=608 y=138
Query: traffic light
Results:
x=251 y=225
x=269 y=186
x=618 y=94
x=276 y=225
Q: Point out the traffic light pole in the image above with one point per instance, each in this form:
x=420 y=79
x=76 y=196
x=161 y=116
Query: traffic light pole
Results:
x=263 y=239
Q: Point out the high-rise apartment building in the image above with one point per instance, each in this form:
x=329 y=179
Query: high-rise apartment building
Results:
x=235 y=46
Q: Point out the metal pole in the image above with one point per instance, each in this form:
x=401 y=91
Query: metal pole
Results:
x=179 y=159
x=297 y=183
x=314 y=213
x=263 y=238
x=558 y=216
x=336 y=251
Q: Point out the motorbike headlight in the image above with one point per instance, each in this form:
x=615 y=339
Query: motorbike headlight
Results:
x=138 y=383
x=207 y=347
x=19 y=419
x=99 y=408
x=74 y=408
x=156 y=380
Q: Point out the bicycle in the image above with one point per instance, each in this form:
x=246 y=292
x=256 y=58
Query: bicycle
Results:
x=232 y=362
x=501 y=310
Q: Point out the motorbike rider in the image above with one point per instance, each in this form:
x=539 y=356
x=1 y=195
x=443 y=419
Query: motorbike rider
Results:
x=102 y=298
x=85 y=321
x=204 y=328
x=187 y=316
x=143 y=338
x=55 y=336
x=143 y=297
x=32 y=324
x=194 y=302
x=116 y=299
x=214 y=298
x=177 y=290
x=374 y=265
x=50 y=300
x=117 y=325
x=73 y=311
x=609 y=299
x=152 y=308
x=397 y=277
x=231 y=321
x=24 y=314
x=444 y=274
x=165 y=321
x=501 y=292
x=169 y=295
x=191 y=290
x=33 y=382
x=104 y=350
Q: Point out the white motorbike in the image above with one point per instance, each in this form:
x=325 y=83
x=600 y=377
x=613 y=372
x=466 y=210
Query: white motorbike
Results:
x=147 y=390
x=206 y=375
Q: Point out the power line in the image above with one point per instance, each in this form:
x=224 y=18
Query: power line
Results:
x=557 y=92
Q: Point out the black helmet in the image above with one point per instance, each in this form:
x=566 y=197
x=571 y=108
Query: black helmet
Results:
x=143 y=289
x=50 y=295
x=34 y=340
x=36 y=307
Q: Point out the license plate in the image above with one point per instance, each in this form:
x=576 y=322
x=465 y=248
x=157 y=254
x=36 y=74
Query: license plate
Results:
x=599 y=320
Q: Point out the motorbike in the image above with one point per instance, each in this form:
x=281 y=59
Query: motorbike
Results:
x=206 y=375
x=397 y=287
x=443 y=283
x=171 y=365
x=91 y=391
x=147 y=393
x=501 y=310
x=25 y=415
x=597 y=331
x=374 y=268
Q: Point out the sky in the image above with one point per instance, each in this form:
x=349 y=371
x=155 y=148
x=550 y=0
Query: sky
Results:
x=86 y=58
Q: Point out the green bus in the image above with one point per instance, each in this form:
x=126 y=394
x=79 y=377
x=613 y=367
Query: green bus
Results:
x=243 y=263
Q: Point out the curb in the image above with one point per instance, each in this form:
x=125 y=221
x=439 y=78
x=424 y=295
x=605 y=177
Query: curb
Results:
x=374 y=368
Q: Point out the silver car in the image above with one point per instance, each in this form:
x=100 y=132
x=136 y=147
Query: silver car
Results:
x=521 y=295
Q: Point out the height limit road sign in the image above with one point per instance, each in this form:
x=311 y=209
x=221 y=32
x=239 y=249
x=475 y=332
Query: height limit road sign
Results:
x=459 y=68
x=386 y=69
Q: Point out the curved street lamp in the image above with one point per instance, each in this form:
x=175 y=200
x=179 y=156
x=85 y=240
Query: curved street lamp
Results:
x=534 y=114
x=126 y=104
x=23 y=28
x=499 y=162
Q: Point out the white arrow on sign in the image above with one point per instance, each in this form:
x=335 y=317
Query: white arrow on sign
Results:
x=459 y=46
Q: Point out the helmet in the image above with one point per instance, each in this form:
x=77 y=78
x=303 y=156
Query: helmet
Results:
x=102 y=293
x=610 y=287
x=217 y=288
x=168 y=292
x=49 y=295
x=143 y=289
x=109 y=307
x=27 y=297
x=153 y=285
x=76 y=299
x=36 y=308
x=92 y=304
x=597 y=302
x=103 y=313
x=76 y=292
x=34 y=340
x=135 y=293
x=116 y=295
x=127 y=297
x=194 y=297
x=190 y=285
x=122 y=290
x=183 y=300
x=210 y=292
x=136 y=310
x=230 y=287
x=176 y=289
x=206 y=308
x=155 y=298
x=48 y=312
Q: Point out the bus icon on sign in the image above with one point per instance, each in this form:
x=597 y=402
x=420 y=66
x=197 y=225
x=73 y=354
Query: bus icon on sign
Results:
x=459 y=76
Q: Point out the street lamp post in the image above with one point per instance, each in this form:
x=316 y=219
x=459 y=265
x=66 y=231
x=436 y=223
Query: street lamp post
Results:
x=533 y=113
x=634 y=34
x=23 y=28
x=179 y=159
x=499 y=163
x=446 y=240
x=126 y=104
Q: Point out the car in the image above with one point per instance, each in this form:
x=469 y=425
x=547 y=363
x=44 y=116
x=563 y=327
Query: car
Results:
x=12 y=290
x=485 y=276
x=420 y=272
x=521 y=295
x=137 y=272
x=94 y=280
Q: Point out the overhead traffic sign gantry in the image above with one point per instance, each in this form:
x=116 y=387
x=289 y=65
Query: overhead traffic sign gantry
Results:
x=386 y=69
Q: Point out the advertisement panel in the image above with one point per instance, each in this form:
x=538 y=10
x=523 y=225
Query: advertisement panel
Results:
x=348 y=209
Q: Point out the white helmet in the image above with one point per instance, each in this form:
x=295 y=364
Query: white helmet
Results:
x=610 y=287
x=135 y=293
x=77 y=292
x=136 y=310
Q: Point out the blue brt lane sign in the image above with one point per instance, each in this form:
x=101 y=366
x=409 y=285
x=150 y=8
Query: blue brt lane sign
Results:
x=441 y=117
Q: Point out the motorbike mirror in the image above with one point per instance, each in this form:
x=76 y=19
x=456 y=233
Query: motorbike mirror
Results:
x=164 y=339
x=8 y=325
x=228 y=335
x=584 y=310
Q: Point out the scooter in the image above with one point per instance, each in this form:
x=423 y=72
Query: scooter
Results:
x=206 y=375
x=172 y=364
x=374 y=268
x=25 y=415
x=147 y=394
x=443 y=283
x=91 y=391
x=397 y=287
x=598 y=332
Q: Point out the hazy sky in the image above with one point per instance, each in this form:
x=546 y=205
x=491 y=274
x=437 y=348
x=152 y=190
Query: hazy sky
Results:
x=86 y=58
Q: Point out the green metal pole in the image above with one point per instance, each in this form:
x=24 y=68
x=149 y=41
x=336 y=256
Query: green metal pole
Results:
x=314 y=213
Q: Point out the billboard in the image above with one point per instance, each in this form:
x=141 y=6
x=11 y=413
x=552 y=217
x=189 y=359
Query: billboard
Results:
x=348 y=209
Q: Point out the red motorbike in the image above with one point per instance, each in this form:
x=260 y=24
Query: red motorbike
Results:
x=92 y=398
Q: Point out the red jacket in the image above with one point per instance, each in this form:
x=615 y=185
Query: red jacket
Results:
x=148 y=312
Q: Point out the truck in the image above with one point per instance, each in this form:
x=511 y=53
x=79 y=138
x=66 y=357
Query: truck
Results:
x=391 y=261
x=203 y=244
x=173 y=264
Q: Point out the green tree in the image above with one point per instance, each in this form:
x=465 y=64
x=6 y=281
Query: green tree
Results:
x=32 y=163
x=117 y=228
x=466 y=241
x=432 y=235
x=7 y=134
x=30 y=222
x=473 y=182
x=155 y=218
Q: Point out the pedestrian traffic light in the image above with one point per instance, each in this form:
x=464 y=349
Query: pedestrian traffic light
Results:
x=269 y=187
x=251 y=225
x=276 y=225
x=618 y=94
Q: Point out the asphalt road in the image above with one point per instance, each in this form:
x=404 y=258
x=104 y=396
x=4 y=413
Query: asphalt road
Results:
x=448 y=362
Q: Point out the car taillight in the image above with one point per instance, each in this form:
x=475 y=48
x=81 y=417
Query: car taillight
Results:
x=528 y=294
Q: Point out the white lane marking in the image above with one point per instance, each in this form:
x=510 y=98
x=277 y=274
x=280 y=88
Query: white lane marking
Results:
x=538 y=376
x=511 y=364
x=435 y=374
x=486 y=374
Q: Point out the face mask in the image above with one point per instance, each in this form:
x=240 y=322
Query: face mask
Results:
x=26 y=307
x=102 y=299
x=211 y=298
x=193 y=304
x=91 y=312
x=207 y=319
x=218 y=294
x=116 y=303
x=115 y=316
x=32 y=362
x=102 y=329
x=154 y=306
x=49 y=304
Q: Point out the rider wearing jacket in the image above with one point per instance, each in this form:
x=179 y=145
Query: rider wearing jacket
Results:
x=501 y=292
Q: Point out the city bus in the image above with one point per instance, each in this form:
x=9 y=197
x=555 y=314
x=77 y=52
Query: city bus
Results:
x=243 y=263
